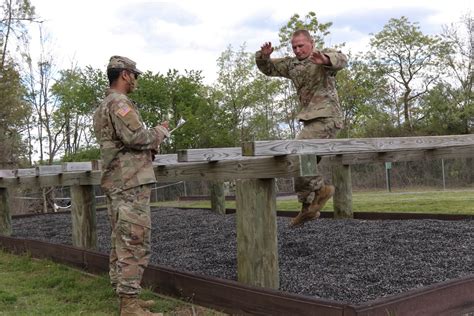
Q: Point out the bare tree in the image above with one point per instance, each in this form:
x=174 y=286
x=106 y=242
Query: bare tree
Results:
x=15 y=13
x=460 y=62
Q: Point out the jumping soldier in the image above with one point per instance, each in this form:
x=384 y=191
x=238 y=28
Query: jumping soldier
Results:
x=313 y=74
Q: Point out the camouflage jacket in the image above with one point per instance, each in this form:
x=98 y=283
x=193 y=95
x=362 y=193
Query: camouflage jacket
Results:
x=315 y=84
x=125 y=144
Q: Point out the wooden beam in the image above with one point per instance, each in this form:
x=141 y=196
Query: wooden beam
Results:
x=49 y=169
x=25 y=172
x=49 y=180
x=355 y=145
x=247 y=168
x=341 y=178
x=7 y=173
x=84 y=227
x=217 y=194
x=403 y=155
x=262 y=167
x=167 y=159
x=257 y=246
x=77 y=166
x=5 y=215
x=209 y=154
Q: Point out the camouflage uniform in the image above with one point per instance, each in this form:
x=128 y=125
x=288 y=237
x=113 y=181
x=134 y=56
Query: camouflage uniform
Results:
x=127 y=174
x=320 y=111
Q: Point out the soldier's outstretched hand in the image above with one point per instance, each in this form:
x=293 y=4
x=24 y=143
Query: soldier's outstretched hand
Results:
x=319 y=58
x=266 y=49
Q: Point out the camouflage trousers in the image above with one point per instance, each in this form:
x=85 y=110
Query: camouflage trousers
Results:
x=129 y=215
x=307 y=188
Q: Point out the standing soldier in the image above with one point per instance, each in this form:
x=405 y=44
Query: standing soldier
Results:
x=313 y=74
x=126 y=148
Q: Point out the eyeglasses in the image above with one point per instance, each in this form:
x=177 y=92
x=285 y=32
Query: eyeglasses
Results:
x=136 y=74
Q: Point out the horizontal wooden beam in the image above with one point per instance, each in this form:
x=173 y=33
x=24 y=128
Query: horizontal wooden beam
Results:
x=209 y=154
x=250 y=168
x=355 y=145
x=60 y=179
x=166 y=159
x=265 y=167
x=404 y=155
x=77 y=166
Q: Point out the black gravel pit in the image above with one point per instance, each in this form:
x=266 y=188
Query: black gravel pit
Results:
x=351 y=261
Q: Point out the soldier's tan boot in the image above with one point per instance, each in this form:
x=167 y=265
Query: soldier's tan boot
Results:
x=322 y=196
x=303 y=216
x=129 y=306
x=146 y=304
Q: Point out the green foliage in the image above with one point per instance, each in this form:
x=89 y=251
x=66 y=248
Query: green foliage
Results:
x=459 y=63
x=405 y=55
x=174 y=96
x=310 y=23
x=83 y=154
x=78 y=92
x=15 y=14
x=13 y=117
x=41 y=287
x=363 y=96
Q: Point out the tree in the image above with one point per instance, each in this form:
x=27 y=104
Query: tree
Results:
x=13 y=115
x=174 y=96
x=77 y=92
x=15 y=13
x=460 y=66
x=38 y=81
x=235 y=81
x=310 y=23
x=410 y=59
x=363 y=94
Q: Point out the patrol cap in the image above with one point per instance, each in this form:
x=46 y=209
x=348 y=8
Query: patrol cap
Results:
x=120 y=62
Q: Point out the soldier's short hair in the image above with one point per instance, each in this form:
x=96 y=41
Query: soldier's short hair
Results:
x=303 y=32
x=113 y=74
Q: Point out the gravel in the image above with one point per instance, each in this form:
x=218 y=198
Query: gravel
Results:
x=351 y=261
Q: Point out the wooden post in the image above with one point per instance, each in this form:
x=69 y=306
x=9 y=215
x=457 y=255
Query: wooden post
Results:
x=216 y=191
x=341 y=178
x=5 y=216
x=84 y=227
x=257 y=246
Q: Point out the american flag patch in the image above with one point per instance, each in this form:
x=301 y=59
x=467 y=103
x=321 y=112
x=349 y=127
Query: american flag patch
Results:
x=124 y=109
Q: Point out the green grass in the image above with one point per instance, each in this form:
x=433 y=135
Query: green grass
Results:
x=41 y=287
x=440 y=202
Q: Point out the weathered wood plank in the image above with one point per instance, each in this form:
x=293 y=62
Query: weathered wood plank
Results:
x=405 y=155
x=264 y=167
x=48 y=180
x=49 y=169
x=257 y=246
x=253 y=168
x=26 y=172
x=5 y=215
x=341 y=178
x=216 y=192
x=7 y=173
x=167 y=159
x=355 y=145
x=84 y=226
x=77 y=166
x=209 y=154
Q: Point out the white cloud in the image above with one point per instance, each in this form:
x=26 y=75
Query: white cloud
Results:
x=192 y=34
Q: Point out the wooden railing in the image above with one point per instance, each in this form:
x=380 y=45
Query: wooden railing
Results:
x=255 y=166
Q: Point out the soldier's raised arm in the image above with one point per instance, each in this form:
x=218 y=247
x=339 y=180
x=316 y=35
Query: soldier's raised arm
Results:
x=274 y=67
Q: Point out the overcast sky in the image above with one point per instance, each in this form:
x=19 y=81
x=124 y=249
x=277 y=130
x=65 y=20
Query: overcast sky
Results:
x=192 y=34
